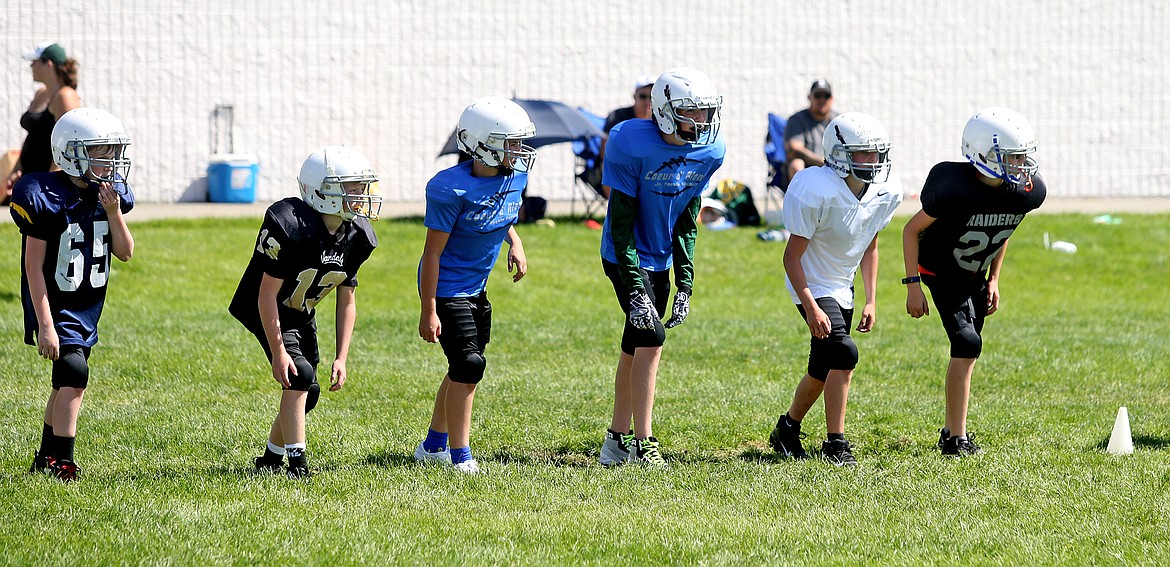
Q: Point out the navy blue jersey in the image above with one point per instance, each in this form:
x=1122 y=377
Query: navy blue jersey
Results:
x=294 y=246
x=974 y=218
x=50 y=207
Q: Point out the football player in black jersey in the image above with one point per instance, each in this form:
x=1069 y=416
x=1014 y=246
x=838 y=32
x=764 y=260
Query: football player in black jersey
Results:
x=71 y=221
x=956 y=245
x=307 y=247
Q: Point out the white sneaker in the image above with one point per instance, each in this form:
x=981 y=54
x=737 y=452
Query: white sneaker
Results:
x=468 y=467
x=615 y=451
x=425 y=457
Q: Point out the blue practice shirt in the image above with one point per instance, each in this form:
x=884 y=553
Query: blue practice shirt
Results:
x=664 y=178
x=476 y=212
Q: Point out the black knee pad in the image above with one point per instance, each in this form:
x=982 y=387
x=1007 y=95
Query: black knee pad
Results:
x=314 y=395
x=71 y=369
x=966 y=343
x=468 y=369
x=306 y=375
x=634 y=338
x=834 y=353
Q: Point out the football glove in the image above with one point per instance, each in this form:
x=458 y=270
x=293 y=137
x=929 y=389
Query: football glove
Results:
x=642 y=313
x=680 y=309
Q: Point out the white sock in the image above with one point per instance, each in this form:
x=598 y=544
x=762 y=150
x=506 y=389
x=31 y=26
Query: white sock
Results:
x=275 y=448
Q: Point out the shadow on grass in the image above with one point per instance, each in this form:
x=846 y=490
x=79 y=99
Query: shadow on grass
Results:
x=1139 y=442
x=9 y=296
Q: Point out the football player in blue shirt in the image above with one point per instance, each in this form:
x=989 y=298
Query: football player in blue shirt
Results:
x=655 y=170
x=71 y=221
x=307 y=247
x=956 y=245
x=471 y=210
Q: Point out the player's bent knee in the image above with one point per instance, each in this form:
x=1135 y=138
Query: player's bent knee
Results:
x=469 y=369
x=643 y=338
x=305 y=378
x=71 y=370
x=314 y=394
x=832 y=354
x=966 y=344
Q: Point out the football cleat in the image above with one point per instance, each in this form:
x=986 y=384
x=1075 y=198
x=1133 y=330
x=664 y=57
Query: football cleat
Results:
x=42 y=463
x=299 y=472
x=423 y=456
x=956 y=446
x=616 y=448
x=268 y=466
x=838 y=452
x=468 y=467
x=785 y=439
x=646 y=452
x=64 y=470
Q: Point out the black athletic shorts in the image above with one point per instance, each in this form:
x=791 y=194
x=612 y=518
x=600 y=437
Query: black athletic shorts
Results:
x=821 y=352
x=299 y=342
x=658 y=288
x=961 y=301
x=466 y=325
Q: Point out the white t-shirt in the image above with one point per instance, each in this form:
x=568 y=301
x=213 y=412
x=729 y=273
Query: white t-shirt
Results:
x=820 y=207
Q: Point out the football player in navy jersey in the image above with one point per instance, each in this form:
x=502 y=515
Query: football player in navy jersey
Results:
x=472 y=208
x=71 y=221
x=306 y=248
x=835 y=212
x=956 y=245
x=655 y=171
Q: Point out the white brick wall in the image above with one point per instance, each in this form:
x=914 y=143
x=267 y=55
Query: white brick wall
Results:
x=390 y=77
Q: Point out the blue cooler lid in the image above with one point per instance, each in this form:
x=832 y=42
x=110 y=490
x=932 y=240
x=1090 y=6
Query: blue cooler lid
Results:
x=235 y=160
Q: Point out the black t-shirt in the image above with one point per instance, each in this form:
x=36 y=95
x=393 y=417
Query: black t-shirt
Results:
x=617 y=117
x=294 y=246
x=974 y=219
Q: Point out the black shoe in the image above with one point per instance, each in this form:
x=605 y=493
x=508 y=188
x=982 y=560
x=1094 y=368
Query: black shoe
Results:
x=838 y=452
x=264 y=465
x=943 y=435
x=42 y=463
x=955 y=446
x=66 y=471
x=299 y=472
x=785 y=439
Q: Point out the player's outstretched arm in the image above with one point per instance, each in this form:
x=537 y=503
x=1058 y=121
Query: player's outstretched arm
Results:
x=48 y=343
x=428 y=320
x=516 y=257
x=282 y=363
x=869 y=271
x=916 y=304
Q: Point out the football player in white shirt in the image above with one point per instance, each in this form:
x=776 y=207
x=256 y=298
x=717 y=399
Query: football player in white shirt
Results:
x=834 y=213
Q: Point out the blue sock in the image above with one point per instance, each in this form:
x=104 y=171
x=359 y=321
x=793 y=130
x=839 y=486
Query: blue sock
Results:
x=460 y=454
x=435 y=441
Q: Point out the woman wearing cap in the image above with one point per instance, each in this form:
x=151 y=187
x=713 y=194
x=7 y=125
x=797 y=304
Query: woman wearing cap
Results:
x=58 y=73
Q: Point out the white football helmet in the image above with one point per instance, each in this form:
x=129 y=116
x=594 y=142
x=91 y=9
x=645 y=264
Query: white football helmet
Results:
x=324 y=177
x=858 y=132
x=487 y=130
x=686 y=88
x=83 y=128
x=995 y=133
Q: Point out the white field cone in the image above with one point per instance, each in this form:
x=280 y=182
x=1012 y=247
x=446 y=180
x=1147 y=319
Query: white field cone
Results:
x=1121 y=441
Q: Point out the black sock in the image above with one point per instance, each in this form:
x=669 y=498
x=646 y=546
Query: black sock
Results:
x=836 y=437
x=791 y=422
x=46 y=439
x=63 y=448
x=269 y=456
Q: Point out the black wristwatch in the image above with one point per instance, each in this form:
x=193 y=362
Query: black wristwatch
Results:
x=912 y=279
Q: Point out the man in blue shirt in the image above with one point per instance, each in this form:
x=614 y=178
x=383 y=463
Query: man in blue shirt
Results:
x=655 y=171
x=471 y=210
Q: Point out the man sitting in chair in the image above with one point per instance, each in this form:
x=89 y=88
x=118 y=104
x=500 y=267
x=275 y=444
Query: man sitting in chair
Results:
x=640 y=109
x=805 y=129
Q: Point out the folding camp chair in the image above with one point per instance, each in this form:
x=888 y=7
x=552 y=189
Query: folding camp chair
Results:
x=587 y=184
x=777 y=168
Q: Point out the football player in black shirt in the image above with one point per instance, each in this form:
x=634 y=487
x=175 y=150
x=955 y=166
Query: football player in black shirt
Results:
x=307 y=247
x=956 y=245
x=71 y=221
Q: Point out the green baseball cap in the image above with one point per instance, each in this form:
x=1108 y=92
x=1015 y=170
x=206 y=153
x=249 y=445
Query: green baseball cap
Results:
x=47 y=52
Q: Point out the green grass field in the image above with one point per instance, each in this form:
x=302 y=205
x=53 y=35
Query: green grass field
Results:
x=180 y=401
